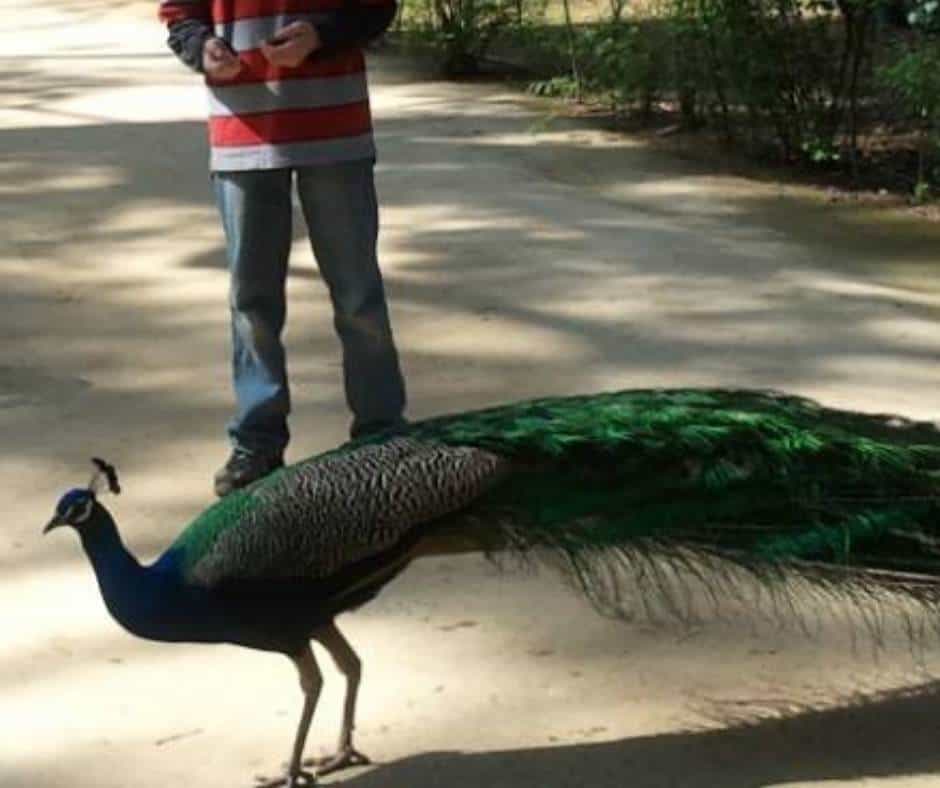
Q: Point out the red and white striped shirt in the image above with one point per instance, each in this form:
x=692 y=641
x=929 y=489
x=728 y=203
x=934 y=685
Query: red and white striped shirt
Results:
x=267 y=116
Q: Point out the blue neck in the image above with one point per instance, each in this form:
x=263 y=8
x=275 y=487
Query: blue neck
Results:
x=120 y=577
x=150 y=602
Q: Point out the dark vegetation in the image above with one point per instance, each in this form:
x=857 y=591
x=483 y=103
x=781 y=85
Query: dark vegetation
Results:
x=849 y=89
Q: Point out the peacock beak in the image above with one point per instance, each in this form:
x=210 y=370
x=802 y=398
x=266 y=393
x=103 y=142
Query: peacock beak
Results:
x=55 y=522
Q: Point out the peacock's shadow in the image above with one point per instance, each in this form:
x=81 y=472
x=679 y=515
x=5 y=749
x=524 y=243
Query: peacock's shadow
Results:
x=892 y=735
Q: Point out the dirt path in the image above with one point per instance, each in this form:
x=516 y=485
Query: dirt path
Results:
x=524 y=256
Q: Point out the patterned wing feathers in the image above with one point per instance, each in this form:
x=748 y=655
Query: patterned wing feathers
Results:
x=318 y=517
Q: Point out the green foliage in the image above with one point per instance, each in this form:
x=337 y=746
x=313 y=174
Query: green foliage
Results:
x=461 y=32
x=781 y=69
x=624 y=62
x=914 y=78
x=925 y=16
x=766 y=65
x=796 y=79
x=556 y=87
x=922 y=193
x=620 y=62
x=821 y=152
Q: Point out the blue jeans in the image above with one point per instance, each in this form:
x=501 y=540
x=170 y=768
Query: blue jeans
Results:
x=340 y=208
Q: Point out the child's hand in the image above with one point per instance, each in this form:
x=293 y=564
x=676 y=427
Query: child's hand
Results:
x=219 y=61
x=290 y=45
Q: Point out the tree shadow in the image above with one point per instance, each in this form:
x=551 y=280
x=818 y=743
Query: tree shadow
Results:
x=522 y=282
x=627 y=292
x=640 y=288
x=889 y=735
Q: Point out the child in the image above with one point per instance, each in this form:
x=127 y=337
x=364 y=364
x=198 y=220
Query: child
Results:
x=289 y=101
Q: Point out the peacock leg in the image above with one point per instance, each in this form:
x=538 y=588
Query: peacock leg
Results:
x=349 y=664
x=311 y=682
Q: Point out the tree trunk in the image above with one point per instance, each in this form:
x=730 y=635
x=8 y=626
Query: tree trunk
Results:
x=572 y=51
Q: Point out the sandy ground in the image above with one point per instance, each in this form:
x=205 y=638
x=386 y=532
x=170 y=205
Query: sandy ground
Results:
x=525 y=256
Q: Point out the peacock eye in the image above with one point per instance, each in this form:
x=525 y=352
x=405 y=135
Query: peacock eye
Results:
x=79 y=511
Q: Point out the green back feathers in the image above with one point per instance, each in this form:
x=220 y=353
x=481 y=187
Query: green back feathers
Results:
x=760 y=477
x=635 y=494
x=196 y=540
x=326 y=513
x=756 y=475
x=681 y=423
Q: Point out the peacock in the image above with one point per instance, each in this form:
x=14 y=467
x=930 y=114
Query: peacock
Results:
x=646 y=484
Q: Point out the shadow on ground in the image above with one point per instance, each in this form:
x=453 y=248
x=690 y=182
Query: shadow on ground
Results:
x=509 y=275
x=891 y=735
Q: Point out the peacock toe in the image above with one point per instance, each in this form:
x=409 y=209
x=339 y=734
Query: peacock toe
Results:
x=343 y=759
x=303 y=779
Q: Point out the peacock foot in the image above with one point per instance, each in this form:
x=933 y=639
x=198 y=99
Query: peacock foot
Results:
x=343 y=759
x=303 y=779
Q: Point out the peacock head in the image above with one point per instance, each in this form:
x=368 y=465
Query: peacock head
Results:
x=77 y=507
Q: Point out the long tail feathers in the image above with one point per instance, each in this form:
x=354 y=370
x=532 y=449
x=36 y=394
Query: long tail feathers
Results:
x=675 y=499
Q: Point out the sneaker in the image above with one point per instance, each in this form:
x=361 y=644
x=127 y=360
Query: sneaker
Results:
x=243 y=468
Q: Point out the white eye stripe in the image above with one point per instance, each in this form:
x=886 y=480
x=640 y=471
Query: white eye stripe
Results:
x=78 y=513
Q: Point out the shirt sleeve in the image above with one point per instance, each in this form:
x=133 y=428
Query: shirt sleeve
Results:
x=189 y=23
x=354 y=25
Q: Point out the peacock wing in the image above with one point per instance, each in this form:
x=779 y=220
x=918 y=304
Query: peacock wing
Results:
x=313 y=519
